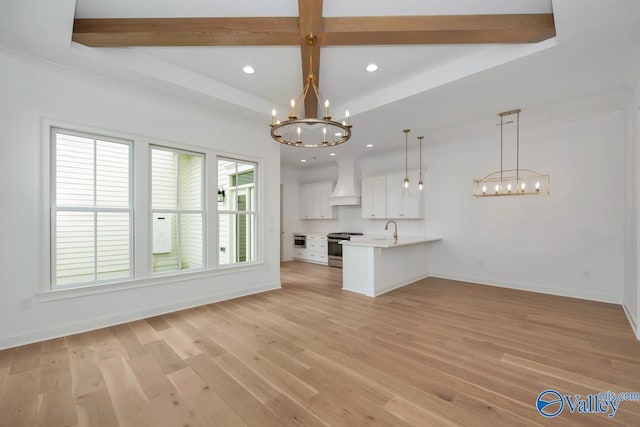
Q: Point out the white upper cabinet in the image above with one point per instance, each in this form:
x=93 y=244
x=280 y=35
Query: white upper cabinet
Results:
x=404 y=203
x=314 y=200
x=374 y=197
x=385 y=197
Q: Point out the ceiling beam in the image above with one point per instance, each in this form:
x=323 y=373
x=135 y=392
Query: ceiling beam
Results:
x=293 y=31
x=120 y=32
x=443 y=29
x=290 y=31
x=310 y=12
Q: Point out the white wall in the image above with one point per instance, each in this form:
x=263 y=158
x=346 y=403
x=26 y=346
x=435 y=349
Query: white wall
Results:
x=568 y=243
x=291 y=222
x=632 y=213
x=32 y=90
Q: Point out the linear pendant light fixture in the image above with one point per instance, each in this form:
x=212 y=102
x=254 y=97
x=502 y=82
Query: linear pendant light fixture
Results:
x=318 y=132
x=405 y=183
x=511 y=182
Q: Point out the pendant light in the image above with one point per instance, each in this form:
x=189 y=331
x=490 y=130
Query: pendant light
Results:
x=511 y=182
x=406 y=158
x=420 y=183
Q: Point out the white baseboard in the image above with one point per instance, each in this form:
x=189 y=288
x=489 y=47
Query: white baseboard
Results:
x=71 y=328
x=309 y=261
x=389 y=288
x=632 y=321
x=572 y=293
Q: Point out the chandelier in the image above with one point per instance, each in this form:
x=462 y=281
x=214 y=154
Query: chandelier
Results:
x=310 y=131
x=511 y=182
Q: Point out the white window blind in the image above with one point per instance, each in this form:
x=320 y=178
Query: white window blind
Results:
x=177 y=201
x=91 y=213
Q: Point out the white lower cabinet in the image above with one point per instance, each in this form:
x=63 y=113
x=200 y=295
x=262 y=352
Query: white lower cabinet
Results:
x=316 y=250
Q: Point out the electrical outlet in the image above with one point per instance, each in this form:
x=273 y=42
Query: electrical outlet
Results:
x=26 y=303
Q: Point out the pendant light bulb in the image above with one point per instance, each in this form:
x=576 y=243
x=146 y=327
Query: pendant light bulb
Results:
x=406 y=183
x=420 y=185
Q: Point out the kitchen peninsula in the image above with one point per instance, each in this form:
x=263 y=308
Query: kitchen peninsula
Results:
x=373 y=266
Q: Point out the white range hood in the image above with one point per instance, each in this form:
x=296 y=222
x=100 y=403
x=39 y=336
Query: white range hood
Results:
x=347 y=190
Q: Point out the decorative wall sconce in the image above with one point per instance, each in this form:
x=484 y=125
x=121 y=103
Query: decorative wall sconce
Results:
x=221 y=194
x=512 y=182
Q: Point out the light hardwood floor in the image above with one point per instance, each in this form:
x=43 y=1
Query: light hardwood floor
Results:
x=437 y=352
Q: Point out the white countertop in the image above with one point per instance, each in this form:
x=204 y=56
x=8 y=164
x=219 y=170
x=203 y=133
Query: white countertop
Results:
x=388 y=242
x=310 y=233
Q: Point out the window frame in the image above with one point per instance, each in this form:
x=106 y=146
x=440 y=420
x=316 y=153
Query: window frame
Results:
x=141 y=203
x=54 y=208
x=203 y=210
x=254 y=212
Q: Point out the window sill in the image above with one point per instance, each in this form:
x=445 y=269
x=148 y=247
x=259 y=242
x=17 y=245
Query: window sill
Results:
x=165 y=279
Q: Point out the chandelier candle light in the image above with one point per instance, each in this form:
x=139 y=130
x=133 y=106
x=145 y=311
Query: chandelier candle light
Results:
x=312 y=132
x=511 y=182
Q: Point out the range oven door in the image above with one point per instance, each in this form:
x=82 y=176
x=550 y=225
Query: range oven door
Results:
x=334 y=251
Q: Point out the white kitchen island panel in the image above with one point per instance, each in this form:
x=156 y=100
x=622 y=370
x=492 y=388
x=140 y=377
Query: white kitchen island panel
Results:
x=373 y=267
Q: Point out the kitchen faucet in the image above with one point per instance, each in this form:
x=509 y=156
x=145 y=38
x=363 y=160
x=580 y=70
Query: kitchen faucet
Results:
x=395 y=227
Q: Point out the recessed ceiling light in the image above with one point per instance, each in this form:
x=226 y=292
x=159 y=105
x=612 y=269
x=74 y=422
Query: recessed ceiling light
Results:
x=332 y=154
x=371 y=68
x=248 y=69
x=369 y=145
x=303 y=160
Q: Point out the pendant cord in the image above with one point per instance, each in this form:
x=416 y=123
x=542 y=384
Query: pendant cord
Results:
x=501 y=137
x=518 y=149
x=406 y=157
x=420 y=159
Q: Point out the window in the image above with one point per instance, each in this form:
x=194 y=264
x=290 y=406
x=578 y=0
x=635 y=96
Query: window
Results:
x=237 y=211
x=123 y=209
x=177 y=193
x=91 y=213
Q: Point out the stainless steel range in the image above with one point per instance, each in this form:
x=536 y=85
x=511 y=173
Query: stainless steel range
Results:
x=334 y=248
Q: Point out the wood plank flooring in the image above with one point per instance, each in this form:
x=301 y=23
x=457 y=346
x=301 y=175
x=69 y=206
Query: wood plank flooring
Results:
x=435 y=353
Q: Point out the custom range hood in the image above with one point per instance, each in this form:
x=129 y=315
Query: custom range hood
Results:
x=347 y=190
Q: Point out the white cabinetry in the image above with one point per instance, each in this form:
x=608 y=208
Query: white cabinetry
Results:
x=314 y=200
x=374 y=197
x=385 y=197
x=404 y=203
x=316 y=250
